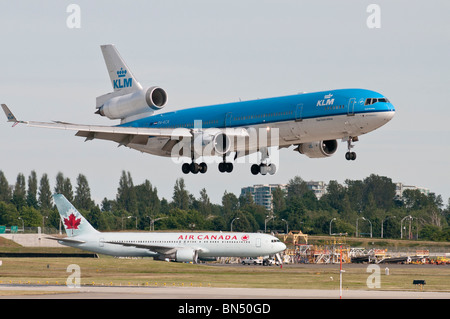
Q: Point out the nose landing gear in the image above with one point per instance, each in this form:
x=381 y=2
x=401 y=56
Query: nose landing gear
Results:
x=350 y=156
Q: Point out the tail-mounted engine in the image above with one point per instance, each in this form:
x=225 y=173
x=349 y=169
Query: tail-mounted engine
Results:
x=132 y=104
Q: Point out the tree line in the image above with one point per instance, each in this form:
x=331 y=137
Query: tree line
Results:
x=369 y=205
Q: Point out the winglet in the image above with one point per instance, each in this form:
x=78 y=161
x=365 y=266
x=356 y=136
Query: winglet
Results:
x=10 y=115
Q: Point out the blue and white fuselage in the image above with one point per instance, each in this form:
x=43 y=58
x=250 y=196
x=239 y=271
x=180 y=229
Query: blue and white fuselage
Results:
x=300 y=118
x=312 y=122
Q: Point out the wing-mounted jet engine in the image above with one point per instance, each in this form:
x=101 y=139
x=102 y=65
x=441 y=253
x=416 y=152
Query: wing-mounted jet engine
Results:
x=318 y=149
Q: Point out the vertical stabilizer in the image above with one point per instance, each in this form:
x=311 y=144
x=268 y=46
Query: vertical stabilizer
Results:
x=74 y=223
x=122 y=79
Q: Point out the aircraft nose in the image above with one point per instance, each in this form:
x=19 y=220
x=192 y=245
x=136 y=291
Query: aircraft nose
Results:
x=389 y=115
x=282 y=246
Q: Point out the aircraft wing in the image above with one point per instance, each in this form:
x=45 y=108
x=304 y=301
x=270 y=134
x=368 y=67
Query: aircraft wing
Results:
x=120 y=134
x=123 y=135
x=163 y=250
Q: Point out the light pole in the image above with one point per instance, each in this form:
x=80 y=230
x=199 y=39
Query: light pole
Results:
x=330 y=224
x=152 y=222
x=357 y=225
x=401 y=224
x=150 y=225
x=363 y=218
x=231 y=226
x=128 y=217
x=370 y=226
x=133 y=217
x=265 y=222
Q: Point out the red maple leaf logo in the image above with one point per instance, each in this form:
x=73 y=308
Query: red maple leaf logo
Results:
x=245 y=237
x=72 y=222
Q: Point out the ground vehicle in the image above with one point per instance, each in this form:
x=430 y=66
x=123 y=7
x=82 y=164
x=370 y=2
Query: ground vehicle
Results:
x=260 y=261
x=252 y=261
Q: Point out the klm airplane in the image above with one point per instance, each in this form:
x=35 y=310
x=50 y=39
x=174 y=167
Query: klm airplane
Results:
x=311 y=122
x=173 y=246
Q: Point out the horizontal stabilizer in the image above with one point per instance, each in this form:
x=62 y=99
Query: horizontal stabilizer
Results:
x=67 y=240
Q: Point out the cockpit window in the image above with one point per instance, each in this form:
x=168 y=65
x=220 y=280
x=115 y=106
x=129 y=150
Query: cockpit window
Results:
x=375 y=100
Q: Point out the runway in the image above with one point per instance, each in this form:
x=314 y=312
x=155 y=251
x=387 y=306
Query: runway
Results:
x=115 y=292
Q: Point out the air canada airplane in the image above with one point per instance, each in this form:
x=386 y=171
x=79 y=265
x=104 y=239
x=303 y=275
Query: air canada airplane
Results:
x=174 y=246
x=311 y=122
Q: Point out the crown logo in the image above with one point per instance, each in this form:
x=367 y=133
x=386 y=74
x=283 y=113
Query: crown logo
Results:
x=121 y=73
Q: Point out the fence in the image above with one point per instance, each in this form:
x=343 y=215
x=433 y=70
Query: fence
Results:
x=28 y=230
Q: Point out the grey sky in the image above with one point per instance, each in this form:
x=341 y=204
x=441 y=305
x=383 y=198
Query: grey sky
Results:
x=209 y=52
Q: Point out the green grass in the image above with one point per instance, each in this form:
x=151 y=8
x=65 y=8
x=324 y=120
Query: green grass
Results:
x=112 y=271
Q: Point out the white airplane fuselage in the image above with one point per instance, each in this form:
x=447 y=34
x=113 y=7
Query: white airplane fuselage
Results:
x=208 y=244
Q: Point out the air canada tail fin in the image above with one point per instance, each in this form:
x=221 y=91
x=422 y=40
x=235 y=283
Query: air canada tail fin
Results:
x=74 y=223
x=122 y=79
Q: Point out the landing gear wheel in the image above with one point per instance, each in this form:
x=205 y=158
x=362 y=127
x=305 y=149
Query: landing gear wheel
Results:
x=255 y=169
x=225 y=167
x=186 y=168
x=263 y=169
x=272 y=169
x=203 y=168
x=350 y=156
x=194 y=168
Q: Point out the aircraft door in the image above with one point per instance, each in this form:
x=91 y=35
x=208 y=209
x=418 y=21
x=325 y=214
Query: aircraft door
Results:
x=101 y=242
x=298 y=112
x=228 y=119
x=351 y=107
x=258 y=242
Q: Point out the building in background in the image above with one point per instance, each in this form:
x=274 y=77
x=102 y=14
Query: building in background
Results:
x=400 y=188
x=318 y=188
x=262 y=193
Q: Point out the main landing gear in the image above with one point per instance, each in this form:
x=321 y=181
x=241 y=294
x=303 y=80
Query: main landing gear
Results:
x=351 y=156
x=194 y=168
x=265 y=167
x=225 y=167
